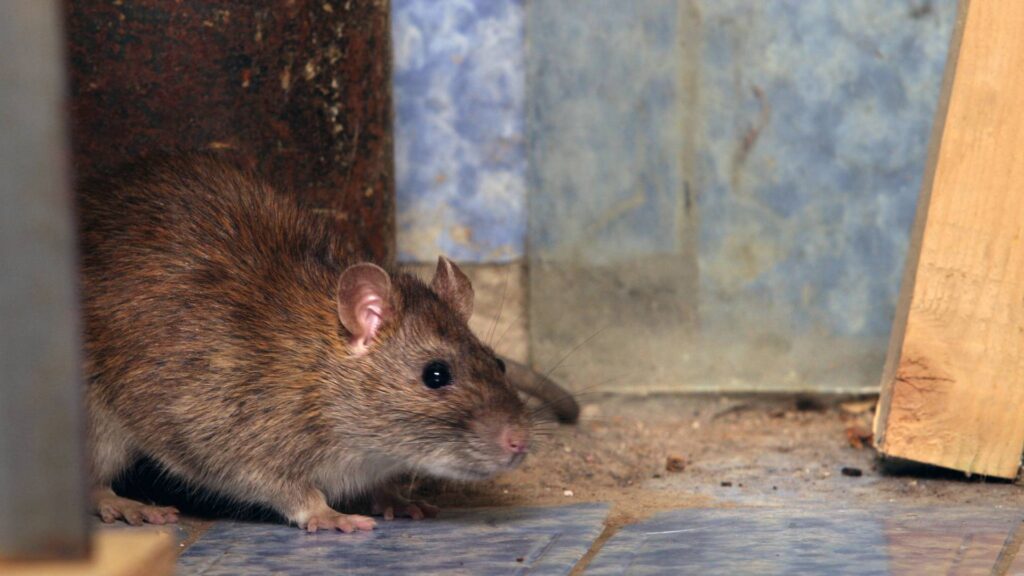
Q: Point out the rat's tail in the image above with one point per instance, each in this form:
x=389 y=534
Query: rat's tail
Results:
x=544 y=389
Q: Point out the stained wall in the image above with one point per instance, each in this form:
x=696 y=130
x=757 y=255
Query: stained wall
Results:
x=718 y=193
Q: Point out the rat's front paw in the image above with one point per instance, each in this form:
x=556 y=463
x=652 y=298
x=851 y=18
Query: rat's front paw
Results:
x=331 y=520
x=111 y=507
x=389 y=505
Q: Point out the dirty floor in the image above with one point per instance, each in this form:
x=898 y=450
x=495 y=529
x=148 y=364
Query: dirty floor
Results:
x=673 y=484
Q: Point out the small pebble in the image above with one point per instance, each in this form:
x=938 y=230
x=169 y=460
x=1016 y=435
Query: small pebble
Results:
x=727 y=484
x=850 y=471
x=675 y=463
x=567 y=493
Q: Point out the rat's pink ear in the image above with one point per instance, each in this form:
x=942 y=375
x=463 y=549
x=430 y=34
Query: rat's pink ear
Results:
x=364 y=303
x=453 y=286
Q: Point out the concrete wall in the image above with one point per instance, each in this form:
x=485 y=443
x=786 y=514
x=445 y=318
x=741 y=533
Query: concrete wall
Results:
x=814 y=120
x=723 y=189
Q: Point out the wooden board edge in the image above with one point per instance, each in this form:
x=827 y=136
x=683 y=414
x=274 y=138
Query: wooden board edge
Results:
x=116 y=552
x=906 y=294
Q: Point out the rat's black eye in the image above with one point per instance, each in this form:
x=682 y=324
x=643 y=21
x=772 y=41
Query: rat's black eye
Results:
x=501 y=364
x=437 y=374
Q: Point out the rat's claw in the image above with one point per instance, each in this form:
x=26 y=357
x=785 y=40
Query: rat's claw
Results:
x=346 y=523
x=133 y=517
x=414 y=512
x=419 y=510
x=363 y=522
x=429 y=510
x=392 y=505
x=165 y=515
x=111 y=508
x=107 y=515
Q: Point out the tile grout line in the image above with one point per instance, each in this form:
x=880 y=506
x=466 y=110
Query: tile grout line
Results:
x=539 y=555
x=599 y=542
x=958 y=557
x=1009 y=551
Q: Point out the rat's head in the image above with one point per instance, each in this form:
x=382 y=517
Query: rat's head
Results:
x=441 y=395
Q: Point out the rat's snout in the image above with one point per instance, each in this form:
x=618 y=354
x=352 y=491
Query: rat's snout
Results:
x=514 y=439
x=506 y=440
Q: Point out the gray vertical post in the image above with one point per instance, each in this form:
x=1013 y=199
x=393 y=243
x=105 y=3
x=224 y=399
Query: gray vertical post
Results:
x=42 y=494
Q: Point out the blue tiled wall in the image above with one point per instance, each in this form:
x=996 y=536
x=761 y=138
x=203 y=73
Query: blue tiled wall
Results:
x=460 y=156
x=778 y=145
x=836 y=101
x=605 y=128
x=746 y=170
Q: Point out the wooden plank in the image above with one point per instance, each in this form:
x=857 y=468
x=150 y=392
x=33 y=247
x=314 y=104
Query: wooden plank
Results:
x=117 y=552
x=953 y=385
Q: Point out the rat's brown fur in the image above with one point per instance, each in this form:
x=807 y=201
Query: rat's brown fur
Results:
x=214 y=346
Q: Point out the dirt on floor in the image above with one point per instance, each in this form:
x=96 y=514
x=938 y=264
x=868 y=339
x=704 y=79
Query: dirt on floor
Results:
x=649 y=454
x=644 y=455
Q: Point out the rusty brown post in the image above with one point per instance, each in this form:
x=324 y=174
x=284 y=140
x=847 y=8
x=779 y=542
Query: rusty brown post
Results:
x=301 y=86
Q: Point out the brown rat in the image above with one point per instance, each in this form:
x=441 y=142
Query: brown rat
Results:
x=232 y=338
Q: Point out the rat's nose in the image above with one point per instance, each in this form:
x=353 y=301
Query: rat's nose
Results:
x=514 y=439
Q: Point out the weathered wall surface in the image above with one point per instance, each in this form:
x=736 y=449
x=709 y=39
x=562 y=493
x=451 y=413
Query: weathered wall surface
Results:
x=814 y=124
x=303 y=87
x=460 y=153
x=722 y=190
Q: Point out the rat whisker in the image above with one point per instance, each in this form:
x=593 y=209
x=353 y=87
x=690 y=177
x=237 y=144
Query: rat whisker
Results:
x=573 y=350
x=501 y=305
x=508 y=328
x=540 y=405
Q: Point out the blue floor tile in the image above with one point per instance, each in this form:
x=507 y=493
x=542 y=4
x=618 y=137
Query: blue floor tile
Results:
x=486 y=541
x=810 y=541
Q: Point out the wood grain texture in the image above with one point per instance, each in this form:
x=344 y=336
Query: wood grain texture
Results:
x=129 y=552
x=953 y=386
